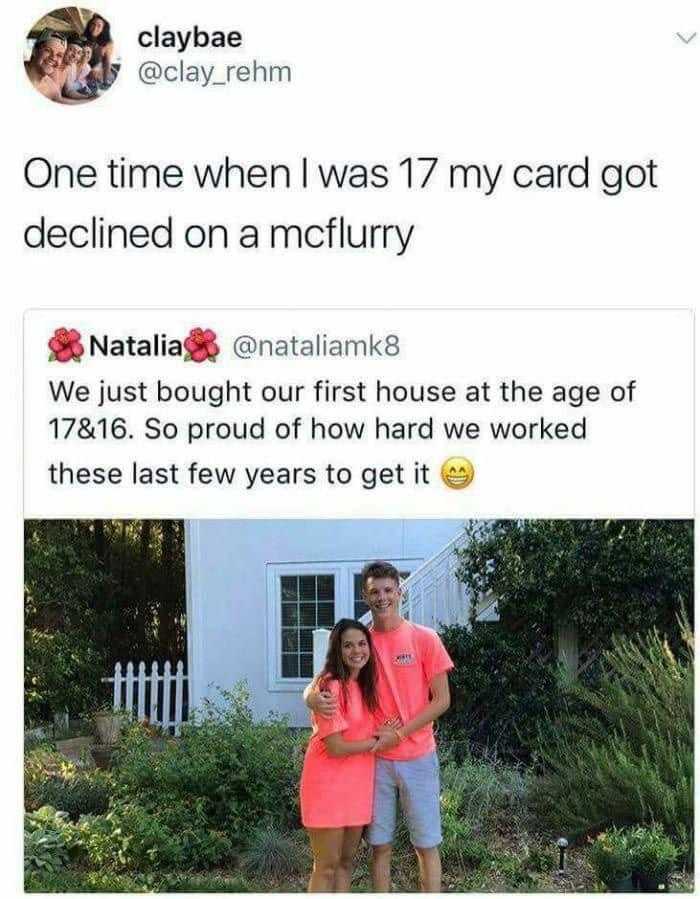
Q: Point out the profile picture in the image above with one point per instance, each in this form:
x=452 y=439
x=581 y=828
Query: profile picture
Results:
x=71 y=56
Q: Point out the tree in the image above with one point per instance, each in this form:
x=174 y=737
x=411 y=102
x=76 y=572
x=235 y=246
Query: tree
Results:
x=97 y=592
x=603 y=576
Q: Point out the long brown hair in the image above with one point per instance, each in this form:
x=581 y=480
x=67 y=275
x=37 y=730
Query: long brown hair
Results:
x=105 y=37
x=335 y=667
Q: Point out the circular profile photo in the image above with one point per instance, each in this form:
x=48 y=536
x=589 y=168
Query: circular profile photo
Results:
x=70 y=56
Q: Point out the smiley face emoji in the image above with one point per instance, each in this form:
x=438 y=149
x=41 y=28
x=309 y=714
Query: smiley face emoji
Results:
x=457 y=472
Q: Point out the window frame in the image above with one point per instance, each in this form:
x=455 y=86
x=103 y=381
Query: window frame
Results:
x=343 y=573
x=275 y=573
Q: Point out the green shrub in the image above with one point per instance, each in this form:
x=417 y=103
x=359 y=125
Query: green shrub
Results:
x=203 y=847
x=44 y=850
x=240 y=773
x=604 y=576
x=512 y=873
x=500 y=690
x=75 y=881
x=460 y=849
x=80 y=794
x=273 y=853
x=41 y=765
x=653 y=854
x=134 y=836
x=128 y=837
x=476 y=792
x=204 y=883
x=476 y=795
x=48 y=840
x=34 y=742
x=610 y=856
x=629 y=759
x=539 y=859
x=62 y=671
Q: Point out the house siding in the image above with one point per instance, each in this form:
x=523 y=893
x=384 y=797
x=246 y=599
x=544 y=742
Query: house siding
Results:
x=229 y=600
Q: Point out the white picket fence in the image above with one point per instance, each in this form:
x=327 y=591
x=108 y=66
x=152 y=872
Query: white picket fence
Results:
x=150 y=696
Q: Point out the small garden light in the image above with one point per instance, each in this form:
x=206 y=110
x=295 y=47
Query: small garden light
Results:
x=563 y=844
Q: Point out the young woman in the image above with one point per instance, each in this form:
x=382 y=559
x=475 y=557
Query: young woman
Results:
x=98 y=34
x=84 y=70
x=337 y=783
x=72 y=64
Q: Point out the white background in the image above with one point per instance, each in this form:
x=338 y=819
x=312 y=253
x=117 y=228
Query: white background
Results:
x=373 y=81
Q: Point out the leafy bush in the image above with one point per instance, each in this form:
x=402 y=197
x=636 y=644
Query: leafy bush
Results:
x=653 y=854
x=47 y=840
x=44 y=850
x=132 y=836
x=629 y=758
x=539 y=860
x=475 y=796
x=77 y=881
x=605 y=576
x=203 y=883
x=41 y=765
x=460 y=849
x=512 y=871
x=62 y=577
x=610 y=856
x=238 y=773
x=272 y=853
x=476 y=792
x=500 y=689
x=600 y=577
x=128 y=837
x=62 y=671
x=40 y=740
x=81 y=794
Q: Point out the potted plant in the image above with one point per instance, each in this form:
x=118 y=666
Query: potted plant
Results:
x=108 y=725
x=611 y=859
x=653 y=858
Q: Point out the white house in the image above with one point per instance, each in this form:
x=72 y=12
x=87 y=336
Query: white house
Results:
x=257 y=590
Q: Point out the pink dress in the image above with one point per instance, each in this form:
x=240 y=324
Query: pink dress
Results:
x=339 y=792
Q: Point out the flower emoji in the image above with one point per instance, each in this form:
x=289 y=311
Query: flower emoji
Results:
x=201 y=345
x=65 y=345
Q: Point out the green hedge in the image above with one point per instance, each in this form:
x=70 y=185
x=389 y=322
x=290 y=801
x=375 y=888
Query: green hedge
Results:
x=500 y=691
x=625 y=757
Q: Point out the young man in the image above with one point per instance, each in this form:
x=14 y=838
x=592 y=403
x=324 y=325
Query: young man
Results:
x=412 y=667
x=44 y=63
x=45 y=67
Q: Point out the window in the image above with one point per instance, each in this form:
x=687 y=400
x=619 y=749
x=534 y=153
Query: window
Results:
x=304 y=596
x=308 y=602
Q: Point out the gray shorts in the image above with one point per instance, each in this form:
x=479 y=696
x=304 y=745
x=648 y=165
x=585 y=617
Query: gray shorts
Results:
x=416 y=784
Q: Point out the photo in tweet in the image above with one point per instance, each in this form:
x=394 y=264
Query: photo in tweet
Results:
x=177 y=676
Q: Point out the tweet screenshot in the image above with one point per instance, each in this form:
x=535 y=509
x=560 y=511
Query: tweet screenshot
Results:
x=351 y=477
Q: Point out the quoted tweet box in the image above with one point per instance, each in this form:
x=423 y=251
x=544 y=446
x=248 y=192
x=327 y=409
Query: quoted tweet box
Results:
x=358 y=413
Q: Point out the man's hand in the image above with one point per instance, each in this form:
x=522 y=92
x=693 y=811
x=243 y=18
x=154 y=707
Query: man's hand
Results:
x=323 y=703
x=388 y=739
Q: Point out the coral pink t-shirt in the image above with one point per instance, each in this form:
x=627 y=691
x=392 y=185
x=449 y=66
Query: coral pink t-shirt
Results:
x=408 y=658
x=339 y=791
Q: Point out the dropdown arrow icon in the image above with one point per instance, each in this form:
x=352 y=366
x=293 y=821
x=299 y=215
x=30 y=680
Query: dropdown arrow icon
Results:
x=687 y=38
